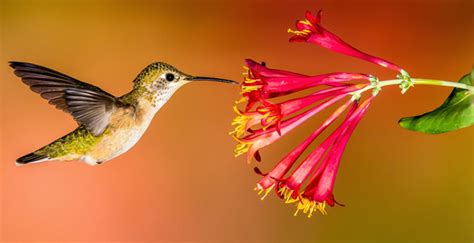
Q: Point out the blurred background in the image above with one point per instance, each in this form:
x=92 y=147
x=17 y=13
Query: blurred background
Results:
x=181 y=182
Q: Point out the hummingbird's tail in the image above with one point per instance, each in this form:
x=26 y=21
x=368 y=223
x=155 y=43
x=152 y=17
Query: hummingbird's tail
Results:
x=33 y=157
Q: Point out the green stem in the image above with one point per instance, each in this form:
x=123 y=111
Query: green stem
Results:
x=419 y=81
x=442 y=83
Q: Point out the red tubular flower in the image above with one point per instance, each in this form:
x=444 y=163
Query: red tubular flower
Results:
x=262 y=137
x=262 y=83
x=311 y=30
x=276 y=174
x=308 y=182
x=323 y=164
x=259 y=127
x=245 y=121
x=268 y=83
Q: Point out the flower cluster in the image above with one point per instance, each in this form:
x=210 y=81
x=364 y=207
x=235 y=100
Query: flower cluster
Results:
x=262 y=120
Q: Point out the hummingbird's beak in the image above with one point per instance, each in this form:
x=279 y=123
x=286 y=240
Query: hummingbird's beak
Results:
x=199 y=78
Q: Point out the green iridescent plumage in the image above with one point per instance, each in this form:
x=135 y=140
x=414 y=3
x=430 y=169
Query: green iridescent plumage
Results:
x=78 y=141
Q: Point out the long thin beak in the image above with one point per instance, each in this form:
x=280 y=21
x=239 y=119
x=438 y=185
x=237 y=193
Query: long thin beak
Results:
x=199 y=78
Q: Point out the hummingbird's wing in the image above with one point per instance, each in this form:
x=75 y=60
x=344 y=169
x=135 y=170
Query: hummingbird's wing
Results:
x=88 y=104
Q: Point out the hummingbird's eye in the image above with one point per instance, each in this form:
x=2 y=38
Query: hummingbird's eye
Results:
x=169 y=77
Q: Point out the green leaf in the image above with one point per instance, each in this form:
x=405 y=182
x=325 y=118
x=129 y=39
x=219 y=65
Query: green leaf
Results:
x=455 y=113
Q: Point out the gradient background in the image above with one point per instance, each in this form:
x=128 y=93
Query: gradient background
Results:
x=181 y=181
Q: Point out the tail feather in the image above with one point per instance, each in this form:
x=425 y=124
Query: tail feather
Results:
x=31 y=158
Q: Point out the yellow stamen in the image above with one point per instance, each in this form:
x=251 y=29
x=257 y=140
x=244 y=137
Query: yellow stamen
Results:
x=248 y=80
x=304 y=33
x=246 y=71
x=269 y=118
x=249 y=88
x=306 y=22
x=242 y=147
x=236 y=109
x=242 y=100
x=264 y=191
x=288 y=195
x=309 y=207
x=264 y=128
x=241 y=122
x=303 y=204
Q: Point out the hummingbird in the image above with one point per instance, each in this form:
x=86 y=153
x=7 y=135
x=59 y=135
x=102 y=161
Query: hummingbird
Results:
x=108 y=126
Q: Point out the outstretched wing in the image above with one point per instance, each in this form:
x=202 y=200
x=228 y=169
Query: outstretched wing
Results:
x=88 y=104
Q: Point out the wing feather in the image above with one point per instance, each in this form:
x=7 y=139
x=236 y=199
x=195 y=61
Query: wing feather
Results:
x=88 y=104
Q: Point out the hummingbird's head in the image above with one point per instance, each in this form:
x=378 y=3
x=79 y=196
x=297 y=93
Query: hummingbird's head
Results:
x=163 y=79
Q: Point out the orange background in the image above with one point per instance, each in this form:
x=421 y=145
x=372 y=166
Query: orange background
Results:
x=181 y=181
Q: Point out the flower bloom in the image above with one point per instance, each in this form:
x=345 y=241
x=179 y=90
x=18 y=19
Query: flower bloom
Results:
x=311 y=30
x=267 y=116
x=261 y=83
x=322 y=169
x=263 y=124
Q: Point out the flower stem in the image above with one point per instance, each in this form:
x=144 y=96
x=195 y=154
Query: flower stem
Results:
x=442 y=83
x=419 y=81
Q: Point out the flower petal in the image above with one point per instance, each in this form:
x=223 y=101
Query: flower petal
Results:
x=310 y=30
x=287 y=162
x=322 y=182
x=262 y=71
x=261 y=138
x=297 y=178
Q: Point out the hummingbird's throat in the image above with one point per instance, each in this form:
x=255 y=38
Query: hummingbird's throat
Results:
x=153 y=100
